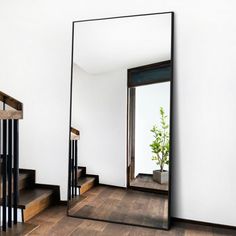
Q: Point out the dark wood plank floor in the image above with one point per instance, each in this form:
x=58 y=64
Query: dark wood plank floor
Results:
x=19 y=229
x=147 y=182
x=54 y=221
x=123 y=206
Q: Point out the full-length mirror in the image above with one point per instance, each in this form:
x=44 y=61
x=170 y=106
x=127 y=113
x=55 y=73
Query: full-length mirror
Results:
x=121 y=119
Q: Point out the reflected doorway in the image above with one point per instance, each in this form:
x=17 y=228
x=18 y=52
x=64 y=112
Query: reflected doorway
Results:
x=148 y=124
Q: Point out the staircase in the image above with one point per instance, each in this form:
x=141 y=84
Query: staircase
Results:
x=34 y=198
x=79 y=181
x=10 y=115
x=85 y=181
x=20 y=197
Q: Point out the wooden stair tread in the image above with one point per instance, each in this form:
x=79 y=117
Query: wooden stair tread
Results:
x=25 y=180
x=85 y=180
x=30 y=196
x=22 y=176
x=33 y=198
x=86 y=183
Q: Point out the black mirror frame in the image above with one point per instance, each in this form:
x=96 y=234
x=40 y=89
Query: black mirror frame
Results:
x=171 y=106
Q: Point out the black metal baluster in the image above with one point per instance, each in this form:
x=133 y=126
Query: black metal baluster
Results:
x=76 y=166
x=9 y=172
x=69 y=177
x=15 y=169
x=73 y=166
x=1 y=169
x=72 y=162
x=4 y=177
x=4 y=105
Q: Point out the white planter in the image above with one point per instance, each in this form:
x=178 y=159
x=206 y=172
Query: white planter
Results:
x=161 y=177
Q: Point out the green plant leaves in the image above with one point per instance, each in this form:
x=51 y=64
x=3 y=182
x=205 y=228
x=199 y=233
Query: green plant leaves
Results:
x=161 y=143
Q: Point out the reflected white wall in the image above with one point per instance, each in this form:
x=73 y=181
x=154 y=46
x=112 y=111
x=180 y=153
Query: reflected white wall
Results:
x=101 y=114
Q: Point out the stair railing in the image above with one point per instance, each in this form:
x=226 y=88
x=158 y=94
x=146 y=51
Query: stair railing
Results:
x=10 y=114
x=73 y=163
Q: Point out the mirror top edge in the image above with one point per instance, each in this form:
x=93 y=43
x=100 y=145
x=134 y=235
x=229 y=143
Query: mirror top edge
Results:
x=125 y=16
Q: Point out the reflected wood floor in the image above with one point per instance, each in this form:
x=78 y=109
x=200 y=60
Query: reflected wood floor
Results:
x=146 y=181
x=123 y=206
x=54 y=221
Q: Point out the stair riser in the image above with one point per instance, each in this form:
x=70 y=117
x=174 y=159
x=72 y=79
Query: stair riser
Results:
x=37 y=207
x=86 y=187
x=33 y=198
x=79 y=173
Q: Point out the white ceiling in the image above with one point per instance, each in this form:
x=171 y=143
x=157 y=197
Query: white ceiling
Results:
x=107 y=45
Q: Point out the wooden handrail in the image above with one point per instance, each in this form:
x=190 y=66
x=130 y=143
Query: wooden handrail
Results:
x=75 y=131
x=11 y=115
x=10 y=101
x=13 y=103
x=75 y=134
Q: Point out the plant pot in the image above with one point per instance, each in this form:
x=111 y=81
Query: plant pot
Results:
x=161 y=177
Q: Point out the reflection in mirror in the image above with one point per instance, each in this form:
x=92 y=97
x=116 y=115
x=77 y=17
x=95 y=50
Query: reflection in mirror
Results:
x=155 y=143
x=149 y=111
x=119 y=160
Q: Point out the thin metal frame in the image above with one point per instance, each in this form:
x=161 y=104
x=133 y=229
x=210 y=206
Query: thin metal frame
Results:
x=171 y=107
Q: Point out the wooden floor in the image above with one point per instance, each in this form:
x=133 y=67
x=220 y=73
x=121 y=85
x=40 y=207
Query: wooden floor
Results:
x=147 y=182
x=19 y=229
x=54 y=222
x=123 y=206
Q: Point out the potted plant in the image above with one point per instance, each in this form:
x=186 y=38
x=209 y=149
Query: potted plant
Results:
x=160 y=149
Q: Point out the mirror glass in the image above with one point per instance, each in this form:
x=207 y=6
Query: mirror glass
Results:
x=119 y=159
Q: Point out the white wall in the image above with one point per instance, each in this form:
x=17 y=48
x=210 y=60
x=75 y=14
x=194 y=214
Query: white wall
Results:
x=148 y=101
x=100 y=116
x=35 y=68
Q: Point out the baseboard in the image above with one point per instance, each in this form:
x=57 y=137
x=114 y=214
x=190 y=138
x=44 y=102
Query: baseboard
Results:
x=62 y=203
x=95 y=176
x=149 y=190
x=143 y=174
x=175 y=219
x=113 y=186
